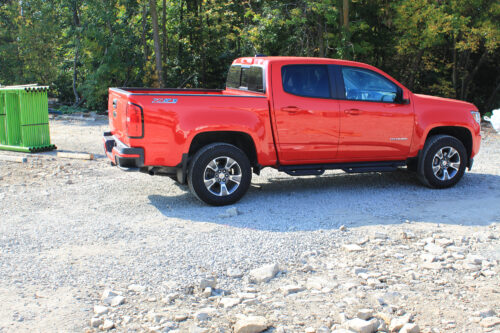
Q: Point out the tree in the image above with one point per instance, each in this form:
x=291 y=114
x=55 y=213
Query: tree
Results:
x=156 y=36
x=75 y=4
x=81 y=48
x=447 y=44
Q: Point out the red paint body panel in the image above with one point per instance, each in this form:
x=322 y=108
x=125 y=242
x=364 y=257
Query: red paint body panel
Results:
x=434 y=112
x=372 y=131
x=170 y=128
x=287 y=129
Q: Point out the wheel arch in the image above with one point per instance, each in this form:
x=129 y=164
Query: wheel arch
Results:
x=461 y=133
x=242 y=140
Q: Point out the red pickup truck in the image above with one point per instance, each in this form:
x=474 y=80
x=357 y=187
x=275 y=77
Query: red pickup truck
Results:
x=298 y=115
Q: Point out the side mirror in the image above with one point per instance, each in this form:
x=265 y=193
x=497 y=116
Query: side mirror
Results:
x=399 y=97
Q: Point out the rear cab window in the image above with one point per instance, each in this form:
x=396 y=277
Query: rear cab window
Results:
x=250 y=78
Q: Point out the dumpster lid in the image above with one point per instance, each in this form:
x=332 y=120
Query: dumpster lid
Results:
x=26 y=87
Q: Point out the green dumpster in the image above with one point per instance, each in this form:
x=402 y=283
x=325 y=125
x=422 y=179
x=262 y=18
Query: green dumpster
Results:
x=24 y=119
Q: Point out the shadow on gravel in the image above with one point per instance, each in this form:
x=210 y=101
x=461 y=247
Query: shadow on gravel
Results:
x=281 y=203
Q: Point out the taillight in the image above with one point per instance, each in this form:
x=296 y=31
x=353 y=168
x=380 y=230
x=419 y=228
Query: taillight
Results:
x=134 y=121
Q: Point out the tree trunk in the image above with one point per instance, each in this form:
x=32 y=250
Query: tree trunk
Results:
x=76 y=25
x=470 y=76
x=454 y=73
x=181 y=21
x=345 y=30
x=156 y=37
x=143 y=34
x=321 y=39
x=345 y=13
x=75 y=76
x=164 y=31
x=465 y=65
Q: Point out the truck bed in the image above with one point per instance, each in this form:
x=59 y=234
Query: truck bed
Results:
x=185 y=91
x=172 y=117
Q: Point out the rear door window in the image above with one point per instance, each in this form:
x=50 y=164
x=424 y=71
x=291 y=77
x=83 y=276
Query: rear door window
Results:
x=306 y=80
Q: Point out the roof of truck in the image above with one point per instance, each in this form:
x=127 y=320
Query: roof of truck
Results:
x=260 y=60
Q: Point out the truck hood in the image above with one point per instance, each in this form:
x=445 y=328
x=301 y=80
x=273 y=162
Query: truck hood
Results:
x=446 y=101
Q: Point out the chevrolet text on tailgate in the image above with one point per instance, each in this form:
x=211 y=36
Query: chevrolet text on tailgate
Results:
x=298 y=115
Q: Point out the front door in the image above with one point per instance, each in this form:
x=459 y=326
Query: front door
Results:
x=374 y=124
x=307 y=118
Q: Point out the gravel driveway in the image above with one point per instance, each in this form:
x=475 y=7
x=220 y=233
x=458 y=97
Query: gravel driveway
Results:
x=71 y=228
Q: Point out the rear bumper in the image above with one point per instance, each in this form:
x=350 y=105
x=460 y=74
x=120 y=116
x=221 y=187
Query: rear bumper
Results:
x=121 y=155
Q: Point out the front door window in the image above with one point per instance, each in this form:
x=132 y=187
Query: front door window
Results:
x=365 y=85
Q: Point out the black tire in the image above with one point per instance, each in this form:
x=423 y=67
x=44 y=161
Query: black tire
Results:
x=201 y=170
x=436 y=172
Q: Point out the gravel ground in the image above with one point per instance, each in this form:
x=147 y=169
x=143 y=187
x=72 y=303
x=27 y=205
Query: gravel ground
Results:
x=70 y=229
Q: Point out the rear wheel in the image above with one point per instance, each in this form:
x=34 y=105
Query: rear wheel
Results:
x=219 y=174
x=443 y=161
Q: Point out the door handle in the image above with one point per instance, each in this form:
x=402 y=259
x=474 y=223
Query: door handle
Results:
x=291 y=109
x=295 y=110
x=354 y=112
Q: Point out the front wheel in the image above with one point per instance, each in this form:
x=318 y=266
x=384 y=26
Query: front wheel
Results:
x=443 y=161
x=219 y=174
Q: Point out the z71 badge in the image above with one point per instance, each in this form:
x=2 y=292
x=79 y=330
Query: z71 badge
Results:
x=164 y=101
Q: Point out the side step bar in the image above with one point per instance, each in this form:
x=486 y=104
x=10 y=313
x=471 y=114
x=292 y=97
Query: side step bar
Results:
x=359 y=167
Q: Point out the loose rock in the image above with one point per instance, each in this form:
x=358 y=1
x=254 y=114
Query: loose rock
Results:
x=264 y=273
x=365 y=314
x=180 y=317
x=352 y=248
x=234 y=272
x=108 y=324
x=95 y=322
x=100 y=310
x=208 y=282
x=117 y=300
x=489 y=322
x=136 y=288
x=291 y=289
x=398 y=323
x=410 y=328
x=229 y=302
x=252 y=324
x=109 y=293
x=360 y=326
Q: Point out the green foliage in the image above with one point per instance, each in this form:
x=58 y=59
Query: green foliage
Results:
x=446 y=43
x=449 y=48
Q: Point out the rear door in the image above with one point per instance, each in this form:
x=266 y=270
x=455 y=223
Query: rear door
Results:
x=374 y=124
x=306 y=115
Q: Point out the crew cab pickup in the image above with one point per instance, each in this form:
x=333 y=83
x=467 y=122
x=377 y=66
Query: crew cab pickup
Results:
x=298 y=115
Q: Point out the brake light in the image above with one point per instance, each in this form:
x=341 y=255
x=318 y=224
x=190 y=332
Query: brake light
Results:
x=134 y=121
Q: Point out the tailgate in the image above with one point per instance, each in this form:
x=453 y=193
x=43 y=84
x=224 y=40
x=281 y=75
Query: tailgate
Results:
x=117 y=113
